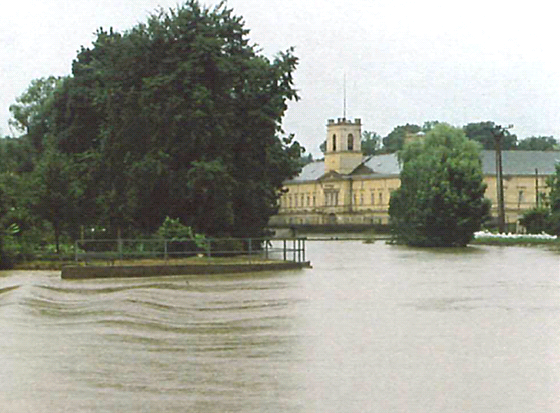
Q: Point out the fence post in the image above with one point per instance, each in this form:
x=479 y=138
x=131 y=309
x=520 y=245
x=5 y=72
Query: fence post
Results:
x=120 y=248
x=294 y=249
x=250 y=249
x=76 y=250
x=266 y=249
x=209 y=248
x=284 y=241
x=303 y=249
x=165 y=255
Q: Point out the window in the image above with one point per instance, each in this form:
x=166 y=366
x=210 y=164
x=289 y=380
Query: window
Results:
x=302 y=200
x=290 y=201
x=334 y=143
x=372 y=198
x=520 y=198
x=350 y=142
x=331 y=198
x=381 y=198
x=361 y=199
x=295 y=201
x=314 y=199
x=308 y=200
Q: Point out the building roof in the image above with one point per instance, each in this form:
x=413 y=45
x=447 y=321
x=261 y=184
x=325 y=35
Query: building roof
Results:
x=521 y=162
x=513 y=163
x=387 y=164
x=310 y=172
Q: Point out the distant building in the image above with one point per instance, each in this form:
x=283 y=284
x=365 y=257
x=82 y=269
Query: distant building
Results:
x=347 y=188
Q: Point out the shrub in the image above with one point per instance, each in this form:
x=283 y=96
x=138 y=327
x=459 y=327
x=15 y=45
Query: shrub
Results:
x=536 y=220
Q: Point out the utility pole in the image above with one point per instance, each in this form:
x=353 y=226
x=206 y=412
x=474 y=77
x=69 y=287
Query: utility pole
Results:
x=498 y=132
x=537 y=187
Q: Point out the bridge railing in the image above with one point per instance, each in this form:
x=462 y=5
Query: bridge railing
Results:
x=111 y=250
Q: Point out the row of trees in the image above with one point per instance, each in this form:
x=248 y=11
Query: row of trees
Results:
x=179 y=116
x=481 y=132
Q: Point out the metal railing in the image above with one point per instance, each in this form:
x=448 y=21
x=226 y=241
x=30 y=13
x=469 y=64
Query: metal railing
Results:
x=111 y=250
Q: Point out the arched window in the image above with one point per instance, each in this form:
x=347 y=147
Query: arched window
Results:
x=334 y=143
x=350 y=142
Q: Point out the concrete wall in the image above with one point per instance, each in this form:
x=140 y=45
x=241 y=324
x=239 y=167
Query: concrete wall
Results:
x=161 y=270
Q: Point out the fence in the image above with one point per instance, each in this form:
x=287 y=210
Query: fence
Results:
x=110 y=250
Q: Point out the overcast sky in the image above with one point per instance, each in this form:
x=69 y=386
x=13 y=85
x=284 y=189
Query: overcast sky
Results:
x=405 y=61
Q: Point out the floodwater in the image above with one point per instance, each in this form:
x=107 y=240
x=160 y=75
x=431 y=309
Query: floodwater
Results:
x=371 y=328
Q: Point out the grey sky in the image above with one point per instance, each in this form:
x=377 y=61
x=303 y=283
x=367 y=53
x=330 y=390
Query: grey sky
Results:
x=405 y=61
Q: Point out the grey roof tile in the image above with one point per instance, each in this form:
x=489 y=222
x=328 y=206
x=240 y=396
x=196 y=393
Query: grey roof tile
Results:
x=310 y=172
x=386 y=164
x=513 y=162
x=521 y=162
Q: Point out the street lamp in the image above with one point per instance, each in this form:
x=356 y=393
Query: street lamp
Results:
x=498 y=132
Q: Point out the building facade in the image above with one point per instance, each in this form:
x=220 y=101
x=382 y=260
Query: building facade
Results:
x=348 y=188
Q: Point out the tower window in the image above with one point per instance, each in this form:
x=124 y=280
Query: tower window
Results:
x=334 y=143
x=350 y=142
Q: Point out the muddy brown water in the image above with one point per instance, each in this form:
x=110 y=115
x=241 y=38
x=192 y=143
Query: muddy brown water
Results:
x=370 y=328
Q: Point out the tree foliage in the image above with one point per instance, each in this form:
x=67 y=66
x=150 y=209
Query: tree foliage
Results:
x=179 y=116
x=429 y=125
x=371 y=142
x=32 y=110
x=395 y=140
x=553 y=183
x=545 y=218
x=440 y=202
x=537 y=143
x=57 y=193
x=536 y=220
x=485 y=132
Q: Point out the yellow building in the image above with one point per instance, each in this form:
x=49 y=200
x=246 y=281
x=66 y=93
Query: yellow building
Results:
x=347 y=188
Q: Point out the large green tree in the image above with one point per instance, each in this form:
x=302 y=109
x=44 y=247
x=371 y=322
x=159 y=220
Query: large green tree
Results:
x=162 y=109
x=485 y=132
x=440 y=202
